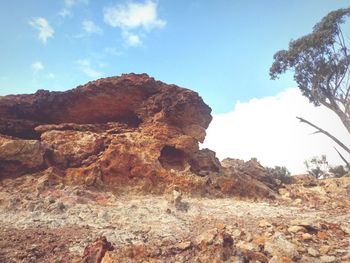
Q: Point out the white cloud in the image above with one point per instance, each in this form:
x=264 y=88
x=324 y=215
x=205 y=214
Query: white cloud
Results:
x=133 y=16
x=131 y=39
x=68 y=5
x=44 y=28
x=37 y=66
x=86 y=68
x=65 y=12
x=267 y=129
x=91 y=28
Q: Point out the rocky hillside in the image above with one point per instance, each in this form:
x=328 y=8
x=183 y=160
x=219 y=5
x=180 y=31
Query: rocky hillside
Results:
x=131 y=133
x=112 y=172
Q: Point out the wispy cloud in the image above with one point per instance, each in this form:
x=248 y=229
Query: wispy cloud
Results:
x=133 y=16
x=37 y=66
x=71 y=3
x=91 y=28
x=44 y=28
x=50 y=76
x=131 y=39
x=113 y=51
x=68 y=5
x=85 y=66
x=64 y=12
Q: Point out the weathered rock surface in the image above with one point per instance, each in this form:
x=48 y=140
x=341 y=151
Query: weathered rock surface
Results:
x=245 y=179
x=132 y=133
x=129 y=135
x=122 y=131
x=95 y=251
x=43 y=220
x=20 y=156
x=132 y=99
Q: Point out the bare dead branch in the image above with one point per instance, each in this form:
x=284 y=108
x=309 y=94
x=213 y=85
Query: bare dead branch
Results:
x=342 y=145
x=343 y=158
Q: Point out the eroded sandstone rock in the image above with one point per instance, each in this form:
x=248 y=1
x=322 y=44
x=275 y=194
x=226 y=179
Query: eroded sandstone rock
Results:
x=20 y=156
x=129 y=132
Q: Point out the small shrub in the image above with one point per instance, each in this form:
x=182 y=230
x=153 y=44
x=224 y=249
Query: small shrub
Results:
x=319 y=168
x=280 y=173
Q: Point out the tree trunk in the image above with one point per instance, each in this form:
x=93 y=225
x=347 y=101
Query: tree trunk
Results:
x=341 y=114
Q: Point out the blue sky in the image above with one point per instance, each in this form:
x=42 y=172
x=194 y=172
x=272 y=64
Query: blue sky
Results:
x=222 y=49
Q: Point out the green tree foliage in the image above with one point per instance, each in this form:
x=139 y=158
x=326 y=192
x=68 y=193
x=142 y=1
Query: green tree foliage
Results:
x=321 y=65
x=280 y=173
x=338 y=171
x=320 y=168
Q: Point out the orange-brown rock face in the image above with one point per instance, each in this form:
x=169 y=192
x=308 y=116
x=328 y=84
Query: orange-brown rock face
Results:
x=132 y=99
x=122 y=131
x=130 y=132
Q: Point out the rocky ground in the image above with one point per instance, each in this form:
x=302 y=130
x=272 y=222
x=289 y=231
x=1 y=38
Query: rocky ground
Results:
x=112 y=171
x=308 y=222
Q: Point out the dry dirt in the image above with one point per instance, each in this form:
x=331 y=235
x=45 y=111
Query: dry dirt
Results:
x=43 y=223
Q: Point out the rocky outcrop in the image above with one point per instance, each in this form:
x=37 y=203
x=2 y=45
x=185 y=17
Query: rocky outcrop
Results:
x=131 y=99
x=245 y=179
x=120 y=131
x=20 y=156
x=129 y=132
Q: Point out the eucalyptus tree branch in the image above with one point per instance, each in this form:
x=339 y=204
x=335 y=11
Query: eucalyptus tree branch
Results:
x=343 y=158
x=342 y=145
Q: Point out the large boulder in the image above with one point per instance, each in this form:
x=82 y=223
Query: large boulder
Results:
x=19 y=156
x=133 y=99
x=123 y=131
x=129 y=132
x=245 y=179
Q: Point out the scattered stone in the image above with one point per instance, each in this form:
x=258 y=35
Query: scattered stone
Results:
x=280 y=246
x=95 y=252
x=322 y=235
x=264 y=223
x=253 y=256
x=306 y=237
x=308 y=225
x=327 y=259
x=313 y=252
x=281 y=259
x=236 y=233
x=247 y=246
x=346 y=230
x=296 y=229
x=297 y=201
x=302 y=249
x=207 y=237
x=308 y=259
x=183 y=245
x=325 y=249
x=346 y=257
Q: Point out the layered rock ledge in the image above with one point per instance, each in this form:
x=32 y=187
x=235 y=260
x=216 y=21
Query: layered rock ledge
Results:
x=129 y=132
